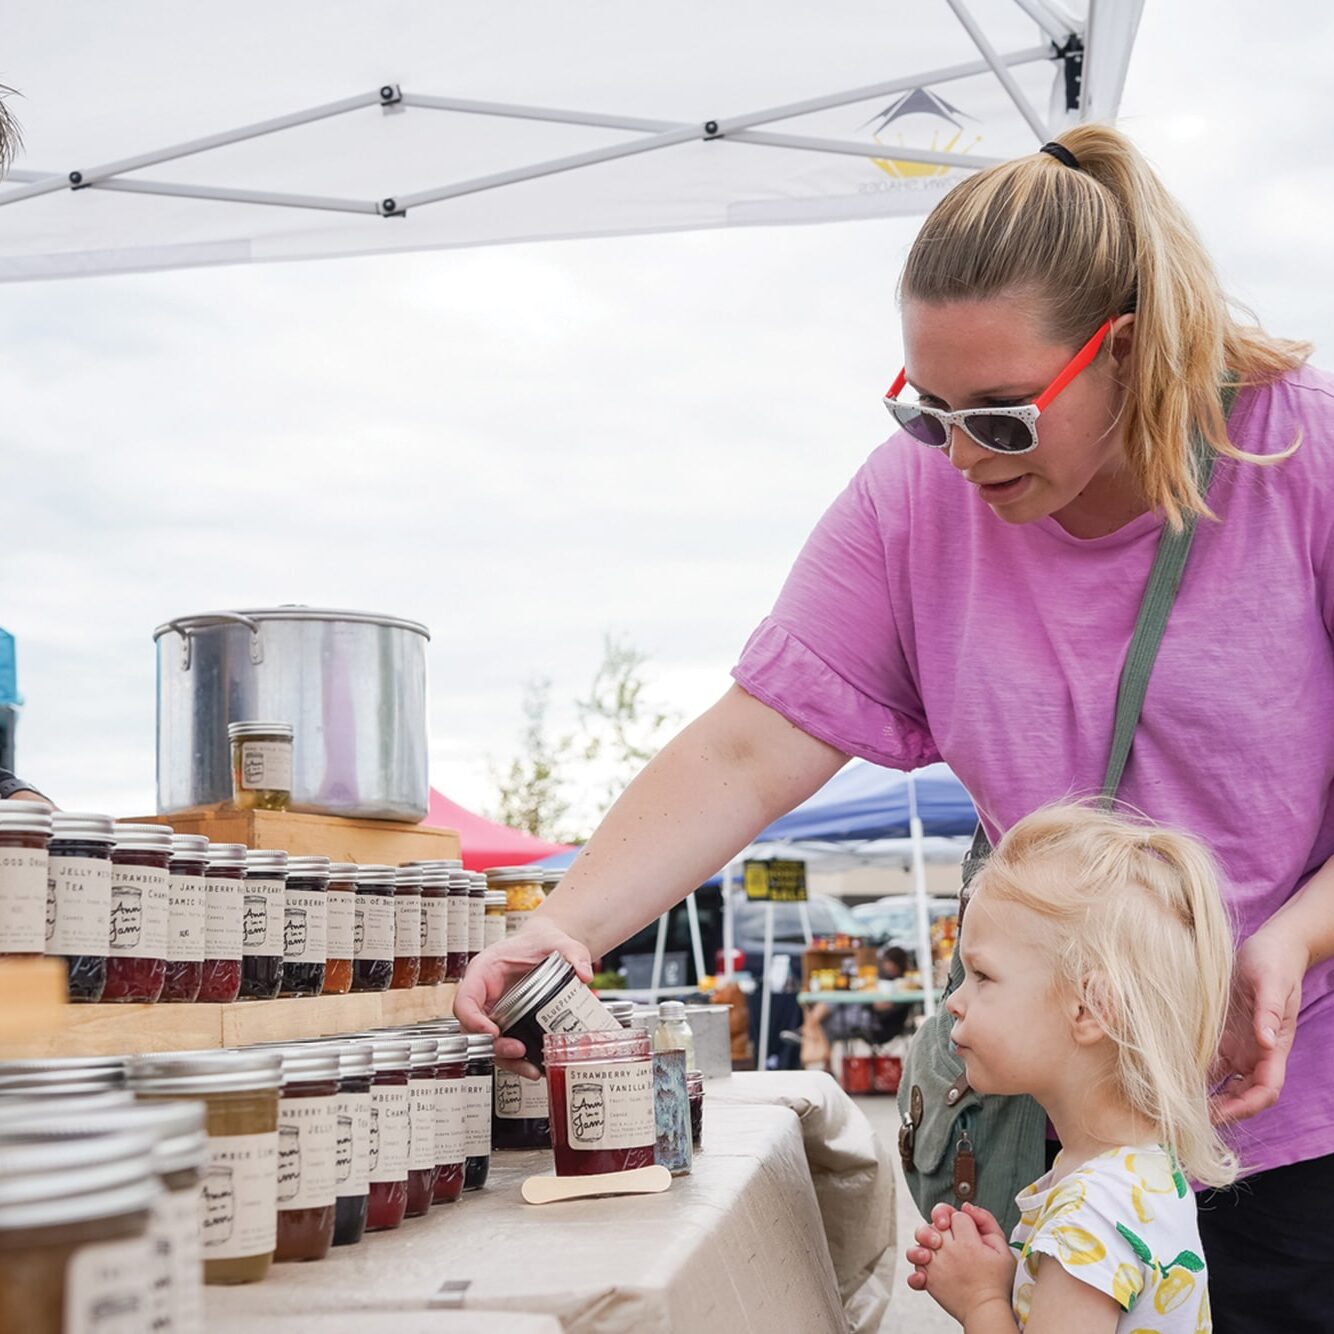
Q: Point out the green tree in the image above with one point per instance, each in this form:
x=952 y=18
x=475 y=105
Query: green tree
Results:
x=529 y=792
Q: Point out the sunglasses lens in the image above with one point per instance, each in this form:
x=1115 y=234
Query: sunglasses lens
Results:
x=1006 y=435
x=918 y=425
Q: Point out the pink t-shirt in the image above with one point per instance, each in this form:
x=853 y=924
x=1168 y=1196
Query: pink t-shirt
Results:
x=917 y=626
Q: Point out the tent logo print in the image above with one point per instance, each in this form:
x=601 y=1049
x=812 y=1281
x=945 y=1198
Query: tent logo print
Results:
x=920 y=102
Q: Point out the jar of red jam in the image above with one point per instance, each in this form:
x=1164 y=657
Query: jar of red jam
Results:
x=25 y=834
x=307 y=1153
x=451 y=1143
x=435 y=925
x=601 y=1091
x=456 y=960
x=224 y=913
x=78 y=899
x=391 y=1131
x=423 y=1168
x=476 y=914
x=140 y=912
x=187 y=917
x=305 y=926
x=407 y=928
x=340 y=928
x=373 y=942
x=352 y=1153
x=263 y=923
x=549 y=999
x=478 y=1082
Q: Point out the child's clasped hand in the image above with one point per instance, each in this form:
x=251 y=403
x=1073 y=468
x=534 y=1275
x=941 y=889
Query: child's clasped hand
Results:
x=963 y=1259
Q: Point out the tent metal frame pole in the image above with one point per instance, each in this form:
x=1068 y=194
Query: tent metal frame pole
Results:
x=593 y=119
x=853 y=149
x=993 y=58
x=1049 y=22
x=659 y=956
x=762 y=1062
x=729 y=927
x=365 y=206
x=925 y=969
x=696 y=939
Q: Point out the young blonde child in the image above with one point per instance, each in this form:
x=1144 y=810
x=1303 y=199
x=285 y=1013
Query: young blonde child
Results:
x=1097 y=958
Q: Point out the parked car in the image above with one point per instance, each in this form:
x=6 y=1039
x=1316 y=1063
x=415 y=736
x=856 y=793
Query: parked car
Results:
x=893 y=919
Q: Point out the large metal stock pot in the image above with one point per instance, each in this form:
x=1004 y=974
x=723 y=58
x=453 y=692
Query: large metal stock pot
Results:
x=352 y=684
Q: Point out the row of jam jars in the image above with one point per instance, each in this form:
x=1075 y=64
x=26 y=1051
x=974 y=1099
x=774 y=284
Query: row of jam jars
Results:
x=187 y=918
x=78 y=899
x=224 y=918
x=407 y=928
x=305 y=926
x=140 y=912
x=373 y=940
x=340 y=928
x=435 y=924
x=263 y=924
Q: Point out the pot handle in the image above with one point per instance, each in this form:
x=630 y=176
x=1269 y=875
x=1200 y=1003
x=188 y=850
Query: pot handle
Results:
x=189 y=624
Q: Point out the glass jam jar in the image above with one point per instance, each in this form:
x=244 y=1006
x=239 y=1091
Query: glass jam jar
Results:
x=78 y=899
x=695 y=1094
x=305 y=926
x=407 y=928
x=239 y=1205
x=493 y=922
x=373 y=943
x=352 y=1153
x=476 y=913
x=622 y=1011
x=261 y=765
x=307 y=1153
x=224 y=915
x=456 y=961
x=340 y=928
x=520 y=1117
x=140 y=912
x=601 y=1090
x=57 y=1076
x=263 y=924
x=522 y=888
x=25 y=834
x=478 y=1092
x=435 y=925
x=422 y=1163
x=187 y=917
x=451 y=1144
x=74 y=1239
x=391 y=1124
x=549 y=999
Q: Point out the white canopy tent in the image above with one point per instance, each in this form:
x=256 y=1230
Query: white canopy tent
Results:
x=159 y=135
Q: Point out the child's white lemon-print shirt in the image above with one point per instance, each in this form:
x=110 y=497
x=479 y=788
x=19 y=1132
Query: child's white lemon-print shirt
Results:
x=1123 y=1223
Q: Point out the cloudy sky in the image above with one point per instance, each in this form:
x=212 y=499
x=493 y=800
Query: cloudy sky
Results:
x=528 y=446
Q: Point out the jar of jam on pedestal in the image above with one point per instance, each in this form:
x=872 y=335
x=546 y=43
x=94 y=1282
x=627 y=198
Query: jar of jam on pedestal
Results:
x=140 y=912
x=456 y=961
x=78 y=899
x=224 y=915
x=187 y=917
x=307 y=1149
x=601 y=1091
x=263 y=924
x=478 y=1092
x=476 y=913
x=261 y=765
x=340 y=928
x=373 y=945
x=238 y=1212
x=522 y=888
x=390 y=1132
x=435 y=925
x=25 y=833
x=407 y=928
x=423 y=1168
x=451 y=1143
x=305 y=926
x=74 y=1245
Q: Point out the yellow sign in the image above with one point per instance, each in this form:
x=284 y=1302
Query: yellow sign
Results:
x=776 y=882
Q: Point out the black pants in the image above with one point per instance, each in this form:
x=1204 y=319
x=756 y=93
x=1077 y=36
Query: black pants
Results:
x=1269 y=1245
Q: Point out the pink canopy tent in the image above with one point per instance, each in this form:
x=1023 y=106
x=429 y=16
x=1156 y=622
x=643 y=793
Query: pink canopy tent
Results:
x=486 y=843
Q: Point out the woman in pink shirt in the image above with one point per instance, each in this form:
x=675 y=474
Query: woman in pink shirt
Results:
x=973 y=600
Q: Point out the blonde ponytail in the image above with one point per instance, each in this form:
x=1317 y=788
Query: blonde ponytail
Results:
x=1108 y=238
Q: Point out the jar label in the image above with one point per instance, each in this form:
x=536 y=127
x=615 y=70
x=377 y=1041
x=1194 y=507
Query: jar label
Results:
x=105 y=1289
x=266 y=766
x=263 y=919
x=494 y=929
x=451 y=1142
x=78 y=905
x=140 y=912
x=391 y=1131
x=305 y=929
x=458 y=923
x=519 y=1099
x=307 y=1131
x=187 y=918
x=224 y=908
x=421 y=1149
x=340 y=924
x=173 y=1232
x=574 y=1009
x=352 y=1143
x=477 y=1115
x=435 y=928
x=515 y=919
x=407 y=926
x=240 y=1197
x=476 y=925
x=373 y=935
x=609 y=1104
x=22 y=900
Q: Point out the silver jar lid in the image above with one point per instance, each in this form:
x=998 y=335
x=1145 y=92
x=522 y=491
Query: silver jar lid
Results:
x=621 y=1011
x=266 y=863
x=25 y=817
x=514 y=875
x=205 y=1072
x=355 y=1057
x=552 y=877
x=375 y=874
x=447 y=863
x=86 y=1072
x=81 y=827
x=343 y=871
x=23 y=1106
x=390 y=1053
x=478 y=879
x=143 y=837
x=227 y=856
x=189 y=847
x=46 y=1182
x=408 y=877
x=435 y=877
x=528 y=990
x=178 y=1129
x=480 y=1045
x=308 y=868
x=451 y=1047
x=460 y=880
x=307 y=1064
x=495 y=898
x=242 y=731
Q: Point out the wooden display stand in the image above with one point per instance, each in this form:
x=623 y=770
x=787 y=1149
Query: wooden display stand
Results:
x=813 y=961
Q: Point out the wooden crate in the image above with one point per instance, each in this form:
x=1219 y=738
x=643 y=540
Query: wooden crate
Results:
x=814 y=960
x=367 y=841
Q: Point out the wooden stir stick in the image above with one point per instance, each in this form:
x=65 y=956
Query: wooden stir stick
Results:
x=638 y=1181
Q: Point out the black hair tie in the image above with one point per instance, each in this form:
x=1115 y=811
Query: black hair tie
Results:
x=1062 y=154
